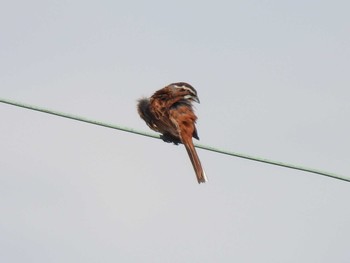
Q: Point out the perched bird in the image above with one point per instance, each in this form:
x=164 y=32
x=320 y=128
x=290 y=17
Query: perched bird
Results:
x=169 y=111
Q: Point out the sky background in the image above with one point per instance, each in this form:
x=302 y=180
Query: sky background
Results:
x=273 y=80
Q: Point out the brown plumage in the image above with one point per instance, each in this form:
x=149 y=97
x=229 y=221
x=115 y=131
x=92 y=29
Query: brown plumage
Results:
x=169 y=111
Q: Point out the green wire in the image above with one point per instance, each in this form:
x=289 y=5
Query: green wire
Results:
x=152 y=135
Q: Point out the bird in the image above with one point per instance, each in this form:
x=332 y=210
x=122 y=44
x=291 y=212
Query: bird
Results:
x=169 y=111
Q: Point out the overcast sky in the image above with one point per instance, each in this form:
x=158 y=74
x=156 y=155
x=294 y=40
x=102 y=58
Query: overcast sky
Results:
x=273 y=80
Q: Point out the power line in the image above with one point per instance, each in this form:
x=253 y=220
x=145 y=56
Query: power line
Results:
x=152 y=135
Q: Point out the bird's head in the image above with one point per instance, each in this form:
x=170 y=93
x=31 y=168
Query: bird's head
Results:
x=184 y=90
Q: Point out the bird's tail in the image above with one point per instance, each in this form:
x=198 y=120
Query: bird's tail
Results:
x=201 y=177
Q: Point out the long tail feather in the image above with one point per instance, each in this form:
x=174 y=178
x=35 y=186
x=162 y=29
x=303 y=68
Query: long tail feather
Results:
x=201 y=177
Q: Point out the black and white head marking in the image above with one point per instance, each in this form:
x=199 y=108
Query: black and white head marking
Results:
x=185 y=86
x=192 y=96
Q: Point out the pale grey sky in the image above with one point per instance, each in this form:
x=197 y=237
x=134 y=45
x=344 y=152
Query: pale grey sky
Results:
x=273 y=80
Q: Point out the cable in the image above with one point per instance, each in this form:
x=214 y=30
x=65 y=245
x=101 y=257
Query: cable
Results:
x=152 y=135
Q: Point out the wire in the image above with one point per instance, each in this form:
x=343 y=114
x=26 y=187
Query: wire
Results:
x=152 y=135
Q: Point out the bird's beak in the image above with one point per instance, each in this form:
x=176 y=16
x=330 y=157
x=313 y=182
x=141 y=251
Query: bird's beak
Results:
x=196 y=99
x=190 y=97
